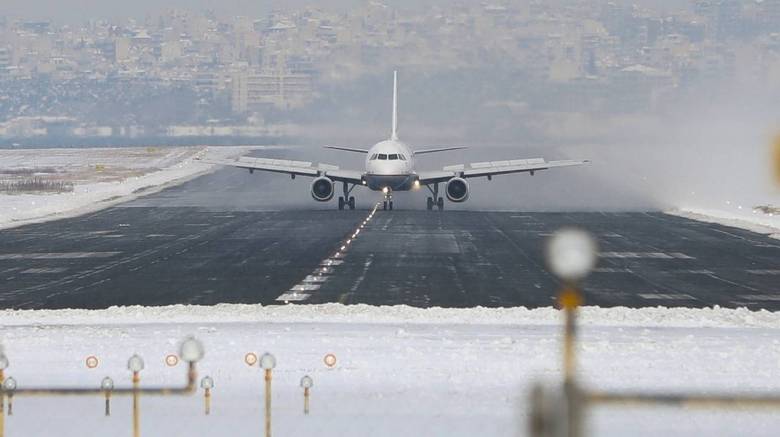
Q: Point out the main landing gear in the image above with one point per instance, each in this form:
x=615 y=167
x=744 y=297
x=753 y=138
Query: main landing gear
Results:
x=436 y=201
x=346 y=199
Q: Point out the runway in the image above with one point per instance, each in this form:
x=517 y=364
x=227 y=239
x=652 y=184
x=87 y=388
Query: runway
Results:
x=229 y=237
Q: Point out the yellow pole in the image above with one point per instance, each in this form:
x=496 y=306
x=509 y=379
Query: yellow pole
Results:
x=136 y=413
x=268 y=403
x=207 y=397
x=306 y=400
x=569 y=300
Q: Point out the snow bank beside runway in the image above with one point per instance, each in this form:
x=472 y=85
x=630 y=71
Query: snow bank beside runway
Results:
x=116 y=176
x=400 y=370
x=750 y=220
x=401 y=314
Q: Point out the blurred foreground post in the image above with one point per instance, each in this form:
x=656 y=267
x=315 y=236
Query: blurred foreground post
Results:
x=267 y=363
x=571 y=255
x=135 y=364
x=207 y=383
x=306 y=383
x=107 y=384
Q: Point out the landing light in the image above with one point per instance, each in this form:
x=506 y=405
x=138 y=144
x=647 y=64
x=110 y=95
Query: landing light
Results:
x=385 y=190
x=416 y=185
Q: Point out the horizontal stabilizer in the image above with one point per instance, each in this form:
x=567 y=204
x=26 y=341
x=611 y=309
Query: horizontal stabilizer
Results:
x=441 y=149
x=347 y=149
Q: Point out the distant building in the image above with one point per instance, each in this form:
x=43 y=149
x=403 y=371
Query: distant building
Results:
x=283 y=90
x=5 y=60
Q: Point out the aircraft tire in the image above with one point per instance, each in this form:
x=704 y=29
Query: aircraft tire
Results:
x=351 y=203
x=341 y=203
x=440 y=204
x=430 y=204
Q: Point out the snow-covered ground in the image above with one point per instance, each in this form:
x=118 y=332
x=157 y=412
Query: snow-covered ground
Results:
x=101 y=177
x=400 y=370
x=751 y=219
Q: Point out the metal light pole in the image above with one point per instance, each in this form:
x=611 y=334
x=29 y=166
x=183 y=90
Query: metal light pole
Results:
x=267 y=363
x=571 y=255
x=107 y=385
x=306 y=383
x=135 y=364
x=207 y=383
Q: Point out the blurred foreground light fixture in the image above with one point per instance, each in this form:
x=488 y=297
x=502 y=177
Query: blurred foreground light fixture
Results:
x=191 y=350
x=306 y=383
x=571 y=254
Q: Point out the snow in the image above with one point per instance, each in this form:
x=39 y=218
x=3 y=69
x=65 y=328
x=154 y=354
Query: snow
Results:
x=744 y=218
x=130 y=173
x=400 y=370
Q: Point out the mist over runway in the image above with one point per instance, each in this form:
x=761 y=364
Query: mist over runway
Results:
x=232 y=237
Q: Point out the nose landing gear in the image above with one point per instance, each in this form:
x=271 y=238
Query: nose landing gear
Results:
x=388 y=202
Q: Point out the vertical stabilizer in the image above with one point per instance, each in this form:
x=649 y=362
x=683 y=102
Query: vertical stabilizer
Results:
x=394 y=135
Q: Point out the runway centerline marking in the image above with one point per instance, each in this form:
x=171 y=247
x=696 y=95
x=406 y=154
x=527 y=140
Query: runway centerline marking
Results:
x=321 y=274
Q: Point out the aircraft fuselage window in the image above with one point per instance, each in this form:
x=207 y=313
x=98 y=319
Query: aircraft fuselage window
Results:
x=393 y=157
x=382 y=156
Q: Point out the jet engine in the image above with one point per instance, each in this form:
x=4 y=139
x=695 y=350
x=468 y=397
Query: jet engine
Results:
x=322 y=189
x=457 y=190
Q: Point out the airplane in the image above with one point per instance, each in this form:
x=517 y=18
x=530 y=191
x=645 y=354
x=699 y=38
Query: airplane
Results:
x=390 y=167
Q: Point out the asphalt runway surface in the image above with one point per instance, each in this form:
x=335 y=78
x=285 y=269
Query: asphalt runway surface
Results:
x=231 y=237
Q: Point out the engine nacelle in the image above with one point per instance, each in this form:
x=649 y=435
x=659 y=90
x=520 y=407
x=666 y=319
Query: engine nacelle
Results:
x=457 y=190
x=322 y=189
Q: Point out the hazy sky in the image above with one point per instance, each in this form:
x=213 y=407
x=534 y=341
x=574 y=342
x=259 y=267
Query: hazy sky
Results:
x=79 y=10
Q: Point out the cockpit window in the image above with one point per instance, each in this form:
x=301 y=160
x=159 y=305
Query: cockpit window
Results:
x=393 y=157
x=382 y=156
x=373 y=157
x=401 y=157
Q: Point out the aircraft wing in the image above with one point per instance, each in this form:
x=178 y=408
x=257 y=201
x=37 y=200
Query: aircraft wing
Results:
x=493 y=168
x=294 y=168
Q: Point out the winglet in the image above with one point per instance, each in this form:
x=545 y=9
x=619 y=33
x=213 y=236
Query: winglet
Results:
x=394 y=135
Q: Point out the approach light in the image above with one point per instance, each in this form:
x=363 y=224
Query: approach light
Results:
x=9 y=384
x=207 y=383
x=571 y=254
x=307 y=382
x=267 y=361
x=191 y=350
x=135 y=364
x=107 y=384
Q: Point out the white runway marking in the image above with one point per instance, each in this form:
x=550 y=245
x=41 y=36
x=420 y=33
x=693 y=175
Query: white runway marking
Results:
x=44 y=270
x=57 y=255
x=649 y=255
x=764 y=272
x=666 y=296
x=761 y=297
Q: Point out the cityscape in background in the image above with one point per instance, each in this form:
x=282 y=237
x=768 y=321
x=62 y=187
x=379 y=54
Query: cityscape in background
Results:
x=195 y=74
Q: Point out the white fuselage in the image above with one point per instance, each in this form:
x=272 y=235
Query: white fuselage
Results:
x=390 y=164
